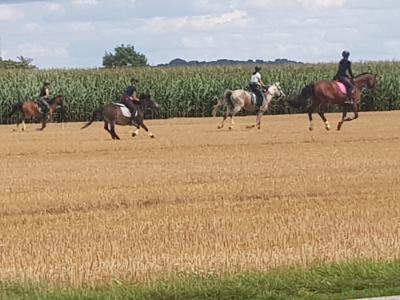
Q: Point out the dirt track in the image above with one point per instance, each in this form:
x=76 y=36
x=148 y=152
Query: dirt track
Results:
x=77 y=207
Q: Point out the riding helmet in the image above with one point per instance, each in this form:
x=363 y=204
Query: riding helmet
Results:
x=46 y=83
x=345 y=53
x=257 y=68
x=134 y=80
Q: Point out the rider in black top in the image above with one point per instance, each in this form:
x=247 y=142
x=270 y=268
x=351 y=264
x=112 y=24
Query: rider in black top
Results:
x=44 y=97
x=130 y=97
x=343 y=75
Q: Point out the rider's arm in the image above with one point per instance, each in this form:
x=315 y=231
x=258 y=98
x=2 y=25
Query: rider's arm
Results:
x=134 y=96
x=350 y=71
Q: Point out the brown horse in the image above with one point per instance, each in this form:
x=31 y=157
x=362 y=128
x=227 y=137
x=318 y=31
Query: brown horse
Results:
x=325 y=92
x=30 y=109
x=113 y=114
x=236 y=100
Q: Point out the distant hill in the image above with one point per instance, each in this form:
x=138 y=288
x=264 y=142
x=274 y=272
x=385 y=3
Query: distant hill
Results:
x=179 y=62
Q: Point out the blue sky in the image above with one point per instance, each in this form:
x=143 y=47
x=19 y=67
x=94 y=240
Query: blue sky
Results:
x=76 y=33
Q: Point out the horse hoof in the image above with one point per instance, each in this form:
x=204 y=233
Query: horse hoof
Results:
x=133 y=134
x=152 y=136
x=230 y=127
x=310 y=128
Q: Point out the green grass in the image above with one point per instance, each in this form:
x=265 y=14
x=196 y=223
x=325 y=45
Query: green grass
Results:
x=338 y=281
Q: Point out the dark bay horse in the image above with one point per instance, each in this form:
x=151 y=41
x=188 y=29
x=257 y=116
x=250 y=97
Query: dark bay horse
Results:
x=30 y=109
x=325 y=92
x=113 y=114
x=236 y=100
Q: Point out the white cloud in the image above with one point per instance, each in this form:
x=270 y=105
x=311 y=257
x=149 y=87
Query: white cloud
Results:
x=55 y=7
x=85 y=2
x=235 y=19
x=42 y=51
x=322 y=3
x=9 y=14
x=32 y=27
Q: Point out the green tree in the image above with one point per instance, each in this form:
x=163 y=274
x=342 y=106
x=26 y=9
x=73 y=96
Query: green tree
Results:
x=125 y=56
x=23 y=63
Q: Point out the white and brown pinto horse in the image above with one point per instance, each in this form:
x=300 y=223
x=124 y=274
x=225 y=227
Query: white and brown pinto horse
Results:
x=236 y=100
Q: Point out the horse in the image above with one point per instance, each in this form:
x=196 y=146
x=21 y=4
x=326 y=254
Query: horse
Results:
x=30 y=109
x=324 y=92
x=114 y=114
x=236 y=100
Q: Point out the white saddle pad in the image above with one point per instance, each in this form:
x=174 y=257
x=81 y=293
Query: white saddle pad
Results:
x=125 y=111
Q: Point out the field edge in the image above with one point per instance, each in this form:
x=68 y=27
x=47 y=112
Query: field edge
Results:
x=347 y=280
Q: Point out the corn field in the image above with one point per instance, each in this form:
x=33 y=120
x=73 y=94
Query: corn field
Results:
x=184 y=92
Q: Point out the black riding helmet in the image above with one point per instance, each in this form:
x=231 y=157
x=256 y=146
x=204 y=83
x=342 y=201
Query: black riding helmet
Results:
x=257 y=68
x=46 y=83
x=345 y=54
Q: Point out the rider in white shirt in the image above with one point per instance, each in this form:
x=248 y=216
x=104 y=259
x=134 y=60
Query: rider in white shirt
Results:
x=256 y=84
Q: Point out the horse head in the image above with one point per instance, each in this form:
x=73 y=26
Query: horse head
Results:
x=275 y=90
x=148 y=103
x=366 y=79
x=57 y=100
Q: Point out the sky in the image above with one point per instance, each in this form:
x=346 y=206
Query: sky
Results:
x=77 y=33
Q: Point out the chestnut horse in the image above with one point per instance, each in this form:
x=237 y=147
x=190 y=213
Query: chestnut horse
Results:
x=324 y=92
x=236 y=100
x=112 y=115
x=30 y=109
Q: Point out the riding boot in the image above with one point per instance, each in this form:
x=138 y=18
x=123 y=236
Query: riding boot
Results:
x=349 y=99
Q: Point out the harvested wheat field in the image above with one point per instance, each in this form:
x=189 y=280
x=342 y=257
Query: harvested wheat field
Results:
x=79 y=208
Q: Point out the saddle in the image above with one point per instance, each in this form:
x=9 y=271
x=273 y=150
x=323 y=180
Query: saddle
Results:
x=125 y=110
x=40 y=106
x=341 y=87
x=254 y=99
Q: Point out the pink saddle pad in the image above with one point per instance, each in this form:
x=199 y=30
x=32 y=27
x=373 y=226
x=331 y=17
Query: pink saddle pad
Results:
x=341 y=86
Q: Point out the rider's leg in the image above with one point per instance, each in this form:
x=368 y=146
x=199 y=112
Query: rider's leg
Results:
x=128 y=103
x=349 y=89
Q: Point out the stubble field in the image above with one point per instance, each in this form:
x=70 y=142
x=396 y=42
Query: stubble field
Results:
x=77 y=208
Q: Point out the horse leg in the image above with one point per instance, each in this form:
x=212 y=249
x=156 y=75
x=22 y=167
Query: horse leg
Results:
x=44 y=121
x=107 y=129
x=321 y=112
x=223 y=119
x=18 y=122
x=258 y=120
x=113 y=133
x=344 y=113
x=146 y=129
x=310 y=110
x=236 y=109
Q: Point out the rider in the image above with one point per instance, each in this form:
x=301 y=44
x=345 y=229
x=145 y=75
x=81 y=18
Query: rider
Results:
x=343 y=75
x=130 y=97
x=256 y=84
x=44 y=97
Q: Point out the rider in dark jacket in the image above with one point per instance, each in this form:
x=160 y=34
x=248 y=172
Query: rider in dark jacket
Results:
x=130 y=97
x=343 y=75
x=44 y=97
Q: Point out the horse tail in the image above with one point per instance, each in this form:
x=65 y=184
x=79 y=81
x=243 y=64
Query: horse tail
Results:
x=218 y=106
x=16 y=107
x=306 y=93
x=228 y=98
x=95 y=115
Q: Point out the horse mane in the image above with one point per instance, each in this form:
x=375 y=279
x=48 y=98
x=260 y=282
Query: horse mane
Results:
x=54 y=99
x=144 y=96
x=362 y=74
